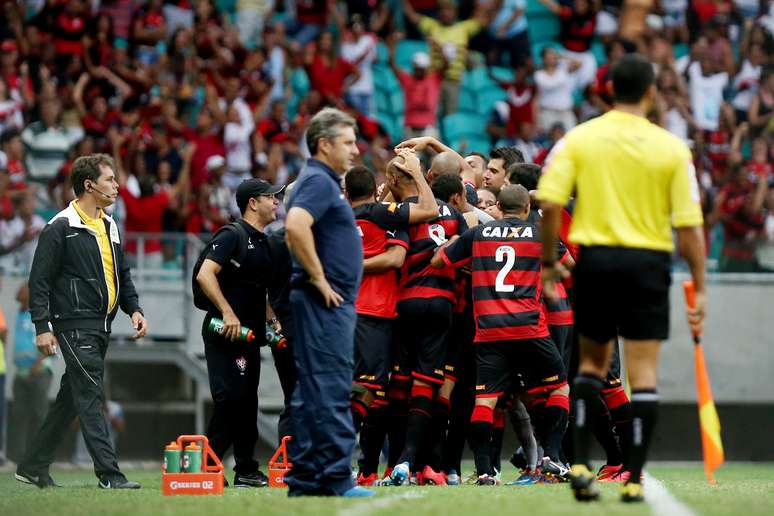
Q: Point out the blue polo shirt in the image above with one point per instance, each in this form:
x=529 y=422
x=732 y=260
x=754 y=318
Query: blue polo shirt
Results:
x=336 y=239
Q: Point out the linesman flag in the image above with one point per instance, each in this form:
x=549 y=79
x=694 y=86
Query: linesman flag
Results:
x=709 y=423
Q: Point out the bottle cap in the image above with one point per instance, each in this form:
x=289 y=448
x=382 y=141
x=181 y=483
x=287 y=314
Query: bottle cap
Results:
x=193 y=447
x=173 y=446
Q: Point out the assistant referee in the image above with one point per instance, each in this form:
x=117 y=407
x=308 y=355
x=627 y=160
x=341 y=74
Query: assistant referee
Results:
x=633 y=182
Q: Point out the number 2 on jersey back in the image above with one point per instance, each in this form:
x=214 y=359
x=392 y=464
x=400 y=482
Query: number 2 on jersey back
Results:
x=505 y=254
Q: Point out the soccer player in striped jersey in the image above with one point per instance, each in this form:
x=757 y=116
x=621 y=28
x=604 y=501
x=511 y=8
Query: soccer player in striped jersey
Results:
x=511 y=331
x=425 y=302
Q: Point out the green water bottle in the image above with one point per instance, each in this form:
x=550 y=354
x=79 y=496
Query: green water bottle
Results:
x=192 y=459
x=275 y=339
x=217 y=326
x=172 y=458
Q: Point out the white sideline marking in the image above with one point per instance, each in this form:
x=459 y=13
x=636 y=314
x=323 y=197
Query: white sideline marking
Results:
x=661 y=500
x=374 y=504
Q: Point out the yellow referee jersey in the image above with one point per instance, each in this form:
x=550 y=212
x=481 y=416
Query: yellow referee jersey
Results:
x=632 y=181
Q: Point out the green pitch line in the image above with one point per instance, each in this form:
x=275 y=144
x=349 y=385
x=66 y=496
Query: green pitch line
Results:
x=742 y=489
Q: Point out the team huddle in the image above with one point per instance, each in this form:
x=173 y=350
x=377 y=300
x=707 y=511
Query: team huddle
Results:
x=453 y=332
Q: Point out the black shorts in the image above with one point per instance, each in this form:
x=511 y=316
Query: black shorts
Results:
x=623 y=292
x=498 y=365
x=373 y=354
x=463 y=330
x=561 y=334
x=422 y=340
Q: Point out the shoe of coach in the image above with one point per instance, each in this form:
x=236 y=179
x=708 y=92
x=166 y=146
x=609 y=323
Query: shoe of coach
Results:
x=41 y=481
x=117 y=483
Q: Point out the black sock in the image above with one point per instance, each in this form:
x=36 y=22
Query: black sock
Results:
x=417 y=425
x=644 y=417
x=588 y=404
x=397 y=413
x=437 y=434
x=359 y=412
x=481 y=438
x=372 y=438
x=620 y=409
x=555 y=421
x=603 y=431
x=498 y=432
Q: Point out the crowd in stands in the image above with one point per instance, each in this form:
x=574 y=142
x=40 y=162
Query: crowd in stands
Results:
x=193 y=96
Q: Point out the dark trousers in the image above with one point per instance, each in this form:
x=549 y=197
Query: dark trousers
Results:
x=30 y=401
x=81 y=394
x=286 y=371
x=234 y=369
x=321 y=422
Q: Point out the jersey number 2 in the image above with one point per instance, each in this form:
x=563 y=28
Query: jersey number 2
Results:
x=505 y=254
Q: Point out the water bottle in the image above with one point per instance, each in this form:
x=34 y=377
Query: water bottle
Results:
x=172 y=458
x=275 y=339
x=192 y=459
x=217 y=326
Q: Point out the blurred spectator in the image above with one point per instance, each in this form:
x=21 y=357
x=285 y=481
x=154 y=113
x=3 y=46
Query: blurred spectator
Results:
x=251 y=16
x=421 y=92
x=555 y=89
x=676 y=28
x=31 y=380
x=706 y=83
x=309 y=19
x=509 y=33
x=765 y=251
x=12 y=159
x=522 y=103
x=216 y=204
x=448 y=39
x=761 y=114
x=601 y=94
x=60 y=191
x=329 y=75
x=18 y=235
x=359 y=49
x=47 y=141
x=11 y=108
x=578 y=22
x=740 y=205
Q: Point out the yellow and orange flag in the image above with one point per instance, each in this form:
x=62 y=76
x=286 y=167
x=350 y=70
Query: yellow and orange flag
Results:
x=709 y=423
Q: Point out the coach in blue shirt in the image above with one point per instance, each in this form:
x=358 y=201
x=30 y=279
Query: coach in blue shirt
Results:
x=327 y=267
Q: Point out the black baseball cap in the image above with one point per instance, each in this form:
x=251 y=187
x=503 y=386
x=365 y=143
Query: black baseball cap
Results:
x=250 y=188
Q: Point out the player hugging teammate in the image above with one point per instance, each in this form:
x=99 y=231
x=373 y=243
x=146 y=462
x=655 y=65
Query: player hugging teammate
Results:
x=453 y=332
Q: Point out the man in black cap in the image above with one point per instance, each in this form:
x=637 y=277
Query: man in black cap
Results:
x=237 y=294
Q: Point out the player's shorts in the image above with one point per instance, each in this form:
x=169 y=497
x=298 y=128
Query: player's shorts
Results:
x=422 y=340
x=373 y=353
x=562 y=336
x=622 y=291
x=499 y=363
x=463 y=330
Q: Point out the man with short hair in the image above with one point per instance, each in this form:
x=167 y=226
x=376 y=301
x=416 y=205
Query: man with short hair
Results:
x=237 y=295
x=500 y=159
x=322 y=236
x=626 y=206
x=78 y=280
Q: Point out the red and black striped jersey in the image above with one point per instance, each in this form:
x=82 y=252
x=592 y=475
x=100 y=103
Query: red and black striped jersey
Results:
x=507 y=290
x=419 y=280
x=380 y=226
x=559 y=312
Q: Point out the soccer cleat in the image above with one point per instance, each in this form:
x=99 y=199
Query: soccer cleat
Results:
x=632 y=493
x=256 y=479
x=486 y=480
x=369 y=480
x=117 y=483
x=472 y=479
x=554 y=468
x=400 y=474
x=452 y=478
x=498 y=476
x=609 y=473
x=528 y=477
x=583 y=484
x=417 y=479
x=357 y=492
x=41 y=481
x=432 y=477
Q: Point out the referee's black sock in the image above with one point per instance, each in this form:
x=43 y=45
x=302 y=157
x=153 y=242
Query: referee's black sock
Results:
x=359 y=412
x=481 y=437
x=372 y=437
x=498 y=432
x=644 y=417
x=588 y=404
x=418 y=421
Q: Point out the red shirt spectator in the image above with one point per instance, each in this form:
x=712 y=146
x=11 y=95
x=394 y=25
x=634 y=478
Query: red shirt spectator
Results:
x=144 y=215
x=421 y=91
x=521 y=104
x=312 y=12
x=329 y=79
x=69 y=28
x=577 y=26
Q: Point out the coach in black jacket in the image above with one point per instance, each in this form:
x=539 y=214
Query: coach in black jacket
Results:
x=78 y=281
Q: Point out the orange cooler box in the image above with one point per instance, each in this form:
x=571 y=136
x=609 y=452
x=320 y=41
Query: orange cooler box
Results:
x=208 y=481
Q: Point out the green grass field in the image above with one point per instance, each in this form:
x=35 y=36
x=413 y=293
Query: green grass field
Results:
x=742 y=489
